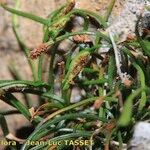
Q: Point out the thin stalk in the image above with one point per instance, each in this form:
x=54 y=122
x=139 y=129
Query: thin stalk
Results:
x=143 y=85
x=111 y=71
x=93 y=82
x=40 y=67
x=142 y=79
x=21 y=43
x=3 y=124
x=126 y=115
x=120 y=140
x=41 y=58
x=109 y=10
x=66 y=94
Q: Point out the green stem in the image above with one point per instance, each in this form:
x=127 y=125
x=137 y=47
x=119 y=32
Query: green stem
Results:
x=21 y=43
x=120 y=140
x=3 y=124
x=126 y=115
x=93 y=82
x=111 y=71
x=109 y=10
x=142 y=79
x=40 y=67
x=143 y=85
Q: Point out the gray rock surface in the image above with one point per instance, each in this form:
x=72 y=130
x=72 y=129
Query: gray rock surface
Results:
x=141 y=137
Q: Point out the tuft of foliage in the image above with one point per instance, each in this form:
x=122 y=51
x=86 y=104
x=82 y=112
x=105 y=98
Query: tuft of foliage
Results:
x=107 y=109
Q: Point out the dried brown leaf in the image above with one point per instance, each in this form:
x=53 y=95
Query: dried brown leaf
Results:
x=98 y=103
x=81 y=39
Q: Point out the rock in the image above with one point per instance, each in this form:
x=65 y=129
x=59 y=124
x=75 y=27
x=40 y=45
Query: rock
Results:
x=141 y=137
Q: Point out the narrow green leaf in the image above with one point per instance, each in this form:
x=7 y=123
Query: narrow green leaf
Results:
x=41 y=131
x=10 y=99
x=126 y=114
x=3 y=125
x=73 y=106
x=5 y=84
x=26 y=15
x=94 y=82
x=143 y=43
x=109 y=10
x=53 y=96
x=13 y=101
x=83 y=134
x=120 y=140
x=111 y=71
x=15 y=26
x=143 y=85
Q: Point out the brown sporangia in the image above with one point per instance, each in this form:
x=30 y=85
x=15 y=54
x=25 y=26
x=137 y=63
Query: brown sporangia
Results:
x=38 y=51
x=77 y=64
x=82 y=62
x=69 y=7
x=77 y=68
x=81 y=39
